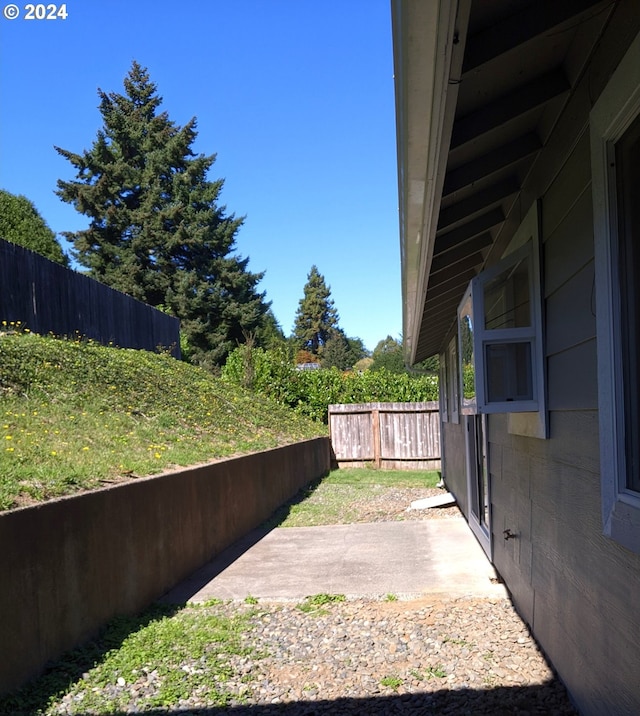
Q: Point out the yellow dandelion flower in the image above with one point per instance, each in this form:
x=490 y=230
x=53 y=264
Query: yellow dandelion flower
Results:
x=8 y=437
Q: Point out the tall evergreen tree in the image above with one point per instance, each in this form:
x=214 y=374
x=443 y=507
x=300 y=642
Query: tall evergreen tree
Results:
x=337 y=351
x=156 y=230
x=21 y=223
x=269 y=333
x=316 y=316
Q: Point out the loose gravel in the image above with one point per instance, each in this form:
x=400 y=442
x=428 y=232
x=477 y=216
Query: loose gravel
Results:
x=446 y=656
x=427 y=656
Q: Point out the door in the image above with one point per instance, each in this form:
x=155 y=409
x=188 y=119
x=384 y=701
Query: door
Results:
x=478 y=483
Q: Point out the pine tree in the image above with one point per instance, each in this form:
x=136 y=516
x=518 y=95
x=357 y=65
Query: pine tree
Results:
x=316 y=316
x=337 y=351
x=21 y=224
x=269 y=334
x=156 y=230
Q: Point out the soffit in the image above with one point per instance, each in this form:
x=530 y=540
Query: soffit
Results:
x=520 y=62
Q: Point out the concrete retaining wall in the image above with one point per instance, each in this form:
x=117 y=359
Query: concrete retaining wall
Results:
x=68 y=566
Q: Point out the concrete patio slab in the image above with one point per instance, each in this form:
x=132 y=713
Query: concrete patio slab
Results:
x=407 y=559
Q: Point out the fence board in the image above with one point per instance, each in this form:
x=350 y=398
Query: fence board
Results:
x=390 y=435
x=49 y=298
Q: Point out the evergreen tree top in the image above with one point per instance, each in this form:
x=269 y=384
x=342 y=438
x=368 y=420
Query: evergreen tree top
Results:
x=316 y=316
x=157 y=230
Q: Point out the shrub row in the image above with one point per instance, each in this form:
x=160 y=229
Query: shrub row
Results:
x=310 y=392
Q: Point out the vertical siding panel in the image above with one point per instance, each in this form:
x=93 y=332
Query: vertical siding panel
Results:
x=409 y=434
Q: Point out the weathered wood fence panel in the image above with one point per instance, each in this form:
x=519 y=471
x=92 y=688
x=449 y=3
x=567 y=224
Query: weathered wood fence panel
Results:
x=47 y=297
x=389 y=435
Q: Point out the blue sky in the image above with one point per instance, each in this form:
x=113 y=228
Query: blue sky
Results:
x=294 y=96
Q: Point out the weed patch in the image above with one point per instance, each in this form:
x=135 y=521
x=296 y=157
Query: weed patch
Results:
x=391 y=682
x=132 y=651
x=316 y=603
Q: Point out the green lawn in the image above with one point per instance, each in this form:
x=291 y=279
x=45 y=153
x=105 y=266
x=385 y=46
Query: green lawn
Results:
x=336 y=499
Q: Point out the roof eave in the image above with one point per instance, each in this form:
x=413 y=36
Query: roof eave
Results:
x=428 y=41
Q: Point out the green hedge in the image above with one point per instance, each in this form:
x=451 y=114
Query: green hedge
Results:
x=310 y=392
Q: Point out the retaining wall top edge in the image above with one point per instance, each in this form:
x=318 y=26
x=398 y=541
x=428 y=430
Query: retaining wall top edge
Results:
x=133 y=482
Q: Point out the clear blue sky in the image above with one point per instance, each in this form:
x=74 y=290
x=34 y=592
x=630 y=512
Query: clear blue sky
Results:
x=294 y=96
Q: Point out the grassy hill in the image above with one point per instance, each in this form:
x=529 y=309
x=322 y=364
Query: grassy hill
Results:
x=75 y=415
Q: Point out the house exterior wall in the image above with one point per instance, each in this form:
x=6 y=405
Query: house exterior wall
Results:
x=454 y=466
x=577 y=589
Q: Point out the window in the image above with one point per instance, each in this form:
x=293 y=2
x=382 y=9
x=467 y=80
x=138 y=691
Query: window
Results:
x=449 y=402
x=500 y=332
x=444 y=388
x=467 y=374
x=615 y=157
x=627 y=160
x=452 y=387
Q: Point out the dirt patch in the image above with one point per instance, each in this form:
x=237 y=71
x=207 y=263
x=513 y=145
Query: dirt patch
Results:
x=393 y=504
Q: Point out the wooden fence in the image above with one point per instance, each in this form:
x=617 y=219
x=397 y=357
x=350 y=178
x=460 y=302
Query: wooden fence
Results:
x=387 y=435
x=49 y=298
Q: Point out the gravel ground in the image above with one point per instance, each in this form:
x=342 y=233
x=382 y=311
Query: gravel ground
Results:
x=393 y=504
x=421 y=657
x=428 y=656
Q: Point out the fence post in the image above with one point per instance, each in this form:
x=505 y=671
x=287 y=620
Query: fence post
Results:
x=377 y=441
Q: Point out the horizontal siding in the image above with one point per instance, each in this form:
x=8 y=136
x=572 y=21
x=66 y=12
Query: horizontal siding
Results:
x=564 y=257
x=511 y=510
x=454 y=462
x=571 y=312
x=570 y=185
x=576 y=588
x=573 y=378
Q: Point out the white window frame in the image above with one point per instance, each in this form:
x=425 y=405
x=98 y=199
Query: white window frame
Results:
x=444 y=388
x=611 y=116
x=454 y=397
x=450 y=401
x=524 y=246
x=468 y=404
x=452 y=372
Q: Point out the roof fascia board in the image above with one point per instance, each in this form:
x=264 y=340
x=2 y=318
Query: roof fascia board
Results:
x=428 y=41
